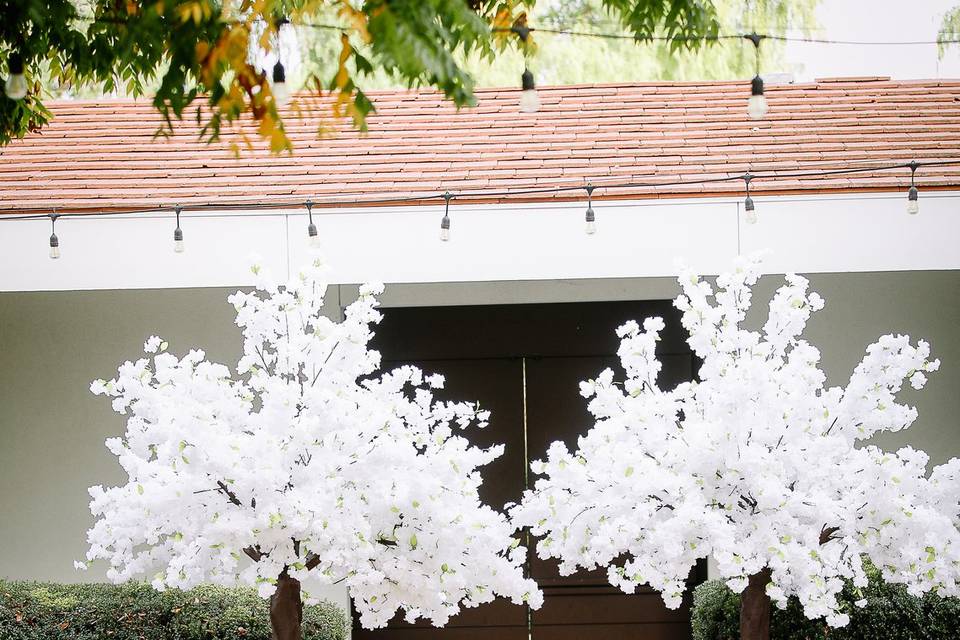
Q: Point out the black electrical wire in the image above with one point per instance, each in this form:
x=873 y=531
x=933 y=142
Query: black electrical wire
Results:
x=612 y=35
x=34 y=213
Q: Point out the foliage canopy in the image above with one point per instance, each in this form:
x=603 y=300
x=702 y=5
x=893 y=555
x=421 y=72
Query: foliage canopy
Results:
x=212 y=60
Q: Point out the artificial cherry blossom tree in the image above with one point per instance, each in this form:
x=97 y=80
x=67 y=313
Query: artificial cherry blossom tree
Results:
x=756 y=465
x=303 y=468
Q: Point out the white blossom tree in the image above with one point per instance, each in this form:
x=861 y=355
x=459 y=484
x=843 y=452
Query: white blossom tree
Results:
x=303 y=468
x=757 y=465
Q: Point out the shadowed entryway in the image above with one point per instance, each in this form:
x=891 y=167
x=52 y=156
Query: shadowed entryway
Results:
x=524 y=363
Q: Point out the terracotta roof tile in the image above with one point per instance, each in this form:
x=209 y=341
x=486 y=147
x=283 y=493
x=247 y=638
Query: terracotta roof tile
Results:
x=103 y=154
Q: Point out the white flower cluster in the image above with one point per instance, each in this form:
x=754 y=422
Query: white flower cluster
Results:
x=305 y=459
x=757 y=465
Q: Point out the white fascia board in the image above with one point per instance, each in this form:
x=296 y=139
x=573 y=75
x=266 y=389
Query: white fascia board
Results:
x=644 y=238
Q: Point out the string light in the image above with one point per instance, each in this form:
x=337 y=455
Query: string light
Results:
x=757 y=103
x=15 y=87
x=54 y=240
x=529 y=99
x=590 y=217
x=913 y=203
x=749 y=208
x=314 y=238
x=178 y=233
x=445 y=222
x=749 y=213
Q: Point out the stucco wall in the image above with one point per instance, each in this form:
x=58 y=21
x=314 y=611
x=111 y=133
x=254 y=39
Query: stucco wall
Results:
x=53 y=344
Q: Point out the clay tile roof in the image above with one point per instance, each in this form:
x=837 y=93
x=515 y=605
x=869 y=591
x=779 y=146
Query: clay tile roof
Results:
x=102 y=155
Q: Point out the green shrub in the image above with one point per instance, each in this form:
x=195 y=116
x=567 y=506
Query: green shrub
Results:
x=43 y=611
x=891 y=614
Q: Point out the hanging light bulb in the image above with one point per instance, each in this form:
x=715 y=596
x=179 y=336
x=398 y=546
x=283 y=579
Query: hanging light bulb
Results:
x=314 y=237
x=913 y=194
x=54 y=240
x=178 y=233
x=281 y=92
x=749 y=212
x=590 y=217
x=15 y=87
x=445 y=222
x=757 y=104
x=529 y=99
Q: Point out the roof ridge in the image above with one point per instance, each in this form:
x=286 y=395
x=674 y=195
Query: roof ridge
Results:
x=546 y=88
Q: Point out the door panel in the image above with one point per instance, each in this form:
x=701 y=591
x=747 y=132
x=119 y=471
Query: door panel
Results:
x=497 y=384
x=557 y=411
x=524 y=363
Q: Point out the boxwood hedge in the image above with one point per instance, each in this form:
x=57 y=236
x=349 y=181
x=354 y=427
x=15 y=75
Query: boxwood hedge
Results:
x=891 y=614
x=44 y=611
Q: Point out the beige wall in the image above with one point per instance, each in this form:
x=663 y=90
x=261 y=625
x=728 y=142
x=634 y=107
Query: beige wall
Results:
x=53 y=344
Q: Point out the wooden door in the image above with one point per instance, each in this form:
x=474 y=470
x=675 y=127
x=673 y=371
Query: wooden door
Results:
x=524 y=363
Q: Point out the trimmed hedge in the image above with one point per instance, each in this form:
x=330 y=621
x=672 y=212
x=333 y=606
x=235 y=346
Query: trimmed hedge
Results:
x=133 y=611
x=891 y=614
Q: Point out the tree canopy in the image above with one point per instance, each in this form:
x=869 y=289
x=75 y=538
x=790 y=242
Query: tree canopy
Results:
x=757 y=464
x=305 y=464
x=216 y=61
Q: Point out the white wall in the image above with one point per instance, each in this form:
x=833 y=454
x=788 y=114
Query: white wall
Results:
x=862 y=232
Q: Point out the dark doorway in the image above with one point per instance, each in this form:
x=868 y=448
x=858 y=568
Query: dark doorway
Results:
x=524 y=363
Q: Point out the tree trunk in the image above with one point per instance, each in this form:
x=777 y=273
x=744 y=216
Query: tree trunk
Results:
x=755 y=608
x=286 y=609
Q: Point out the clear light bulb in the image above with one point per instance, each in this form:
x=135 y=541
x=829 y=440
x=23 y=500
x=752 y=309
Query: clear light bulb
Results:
x=178 y=246
x=913 y=202
x=749 y=212
x=757 y=104
x=314 y=237
x=757 y=107
x=16 y=86
x=591 y=225
x=281 y=92
x=445 y=229
x=54 y=247
x=529 y=100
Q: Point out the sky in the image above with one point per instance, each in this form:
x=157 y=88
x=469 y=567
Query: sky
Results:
x=876 y=20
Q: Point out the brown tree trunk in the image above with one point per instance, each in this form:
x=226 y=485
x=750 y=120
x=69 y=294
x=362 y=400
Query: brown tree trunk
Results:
x=755 y=608
x=286 y=609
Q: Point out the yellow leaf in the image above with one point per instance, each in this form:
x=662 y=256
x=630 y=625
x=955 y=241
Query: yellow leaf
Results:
x=357 y=19
x=503 y=19
x=343 y=74
x=202 y=49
